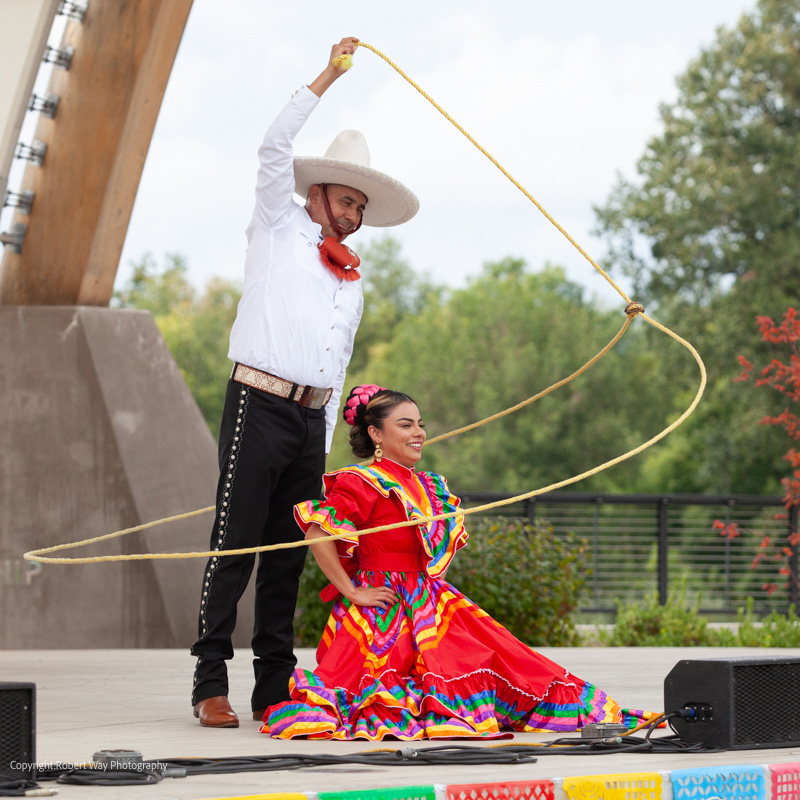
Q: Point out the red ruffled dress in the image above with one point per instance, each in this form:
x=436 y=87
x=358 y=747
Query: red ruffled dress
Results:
x=435 y=665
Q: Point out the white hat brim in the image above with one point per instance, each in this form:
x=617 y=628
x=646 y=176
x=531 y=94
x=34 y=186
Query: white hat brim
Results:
x=389 y=202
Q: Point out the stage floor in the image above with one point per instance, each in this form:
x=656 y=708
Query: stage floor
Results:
x=90 y=700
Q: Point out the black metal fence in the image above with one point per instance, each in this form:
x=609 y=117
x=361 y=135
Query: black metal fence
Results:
x=644 y=544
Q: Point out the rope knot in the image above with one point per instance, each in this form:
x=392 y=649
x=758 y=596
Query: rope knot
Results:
x=632 y=309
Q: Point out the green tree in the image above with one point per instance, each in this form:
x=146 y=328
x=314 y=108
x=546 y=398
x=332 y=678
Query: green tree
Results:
x=710 y=236
x=508 y=335
x=392 y=292
x=195 y=326
x=156 y=290
x=718 y=203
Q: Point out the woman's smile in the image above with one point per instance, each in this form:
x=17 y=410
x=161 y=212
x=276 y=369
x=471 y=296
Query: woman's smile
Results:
x=402 y=435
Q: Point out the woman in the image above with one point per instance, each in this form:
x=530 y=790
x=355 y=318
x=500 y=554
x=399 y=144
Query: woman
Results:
x=405 y=654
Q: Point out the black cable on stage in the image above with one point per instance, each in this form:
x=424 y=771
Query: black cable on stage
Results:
x=16 y=788
x=184 y=767
x=434 y=756
x=101 y=776
x=114 y=777
x=443 y=755
x=626 y=743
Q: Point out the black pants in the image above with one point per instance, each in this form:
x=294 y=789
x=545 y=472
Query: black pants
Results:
x=272 y=456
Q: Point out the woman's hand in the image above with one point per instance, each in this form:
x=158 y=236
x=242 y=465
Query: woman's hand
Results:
x=381 y=596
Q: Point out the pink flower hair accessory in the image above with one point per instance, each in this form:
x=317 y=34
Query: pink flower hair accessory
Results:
x=358 y=399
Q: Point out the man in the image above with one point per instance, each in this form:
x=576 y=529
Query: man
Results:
x=290 y=344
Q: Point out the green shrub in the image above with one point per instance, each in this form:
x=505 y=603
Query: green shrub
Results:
x=678 y=625
x=775 y=630
x=652 y=625
x=525 y=577
x=522 y=575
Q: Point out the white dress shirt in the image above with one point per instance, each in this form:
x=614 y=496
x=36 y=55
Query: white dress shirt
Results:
x=296 y=319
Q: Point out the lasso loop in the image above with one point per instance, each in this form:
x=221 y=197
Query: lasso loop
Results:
x=632 y=310
x=500 y=167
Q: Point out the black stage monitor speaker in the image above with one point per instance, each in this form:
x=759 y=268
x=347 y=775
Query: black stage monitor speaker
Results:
x=740 y=703
x=17 y=731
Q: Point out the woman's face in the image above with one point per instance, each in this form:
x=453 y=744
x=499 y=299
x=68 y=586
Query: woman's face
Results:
x=402 y=435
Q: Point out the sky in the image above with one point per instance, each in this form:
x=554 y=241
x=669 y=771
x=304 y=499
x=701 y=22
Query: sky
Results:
x=564 y=95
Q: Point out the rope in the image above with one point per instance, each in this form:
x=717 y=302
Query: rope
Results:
x=541 y=394
x=36 y=555
x=499 y=166
x=632 y=310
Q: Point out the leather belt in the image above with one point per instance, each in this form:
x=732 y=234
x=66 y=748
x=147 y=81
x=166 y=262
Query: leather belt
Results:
x=305 y=396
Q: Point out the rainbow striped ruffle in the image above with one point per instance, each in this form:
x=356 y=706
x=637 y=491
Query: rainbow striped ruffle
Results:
x=434 y=666
x=439 y=539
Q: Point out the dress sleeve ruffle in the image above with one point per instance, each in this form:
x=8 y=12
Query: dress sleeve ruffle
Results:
x=441 y=539
x=348 y=503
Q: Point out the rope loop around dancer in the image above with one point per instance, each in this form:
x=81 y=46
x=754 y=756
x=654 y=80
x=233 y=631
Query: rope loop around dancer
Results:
x=632 y=310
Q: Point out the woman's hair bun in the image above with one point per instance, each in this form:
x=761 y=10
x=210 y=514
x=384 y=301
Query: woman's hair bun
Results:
x=357 y=401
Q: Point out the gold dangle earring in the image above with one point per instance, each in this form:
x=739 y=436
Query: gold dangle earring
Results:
x=378 y=452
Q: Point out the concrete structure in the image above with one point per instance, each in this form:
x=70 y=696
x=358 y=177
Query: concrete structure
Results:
x=98 y=428
x=99 y=433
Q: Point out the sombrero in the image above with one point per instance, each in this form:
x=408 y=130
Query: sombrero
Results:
x=347 y=162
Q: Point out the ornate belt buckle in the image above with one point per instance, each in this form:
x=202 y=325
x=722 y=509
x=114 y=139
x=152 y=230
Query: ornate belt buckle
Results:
x=312 y=397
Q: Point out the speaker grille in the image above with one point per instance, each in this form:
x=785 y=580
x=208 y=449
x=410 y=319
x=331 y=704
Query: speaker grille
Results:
x=17 y=731
x=755 y=701
x=767 y=701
